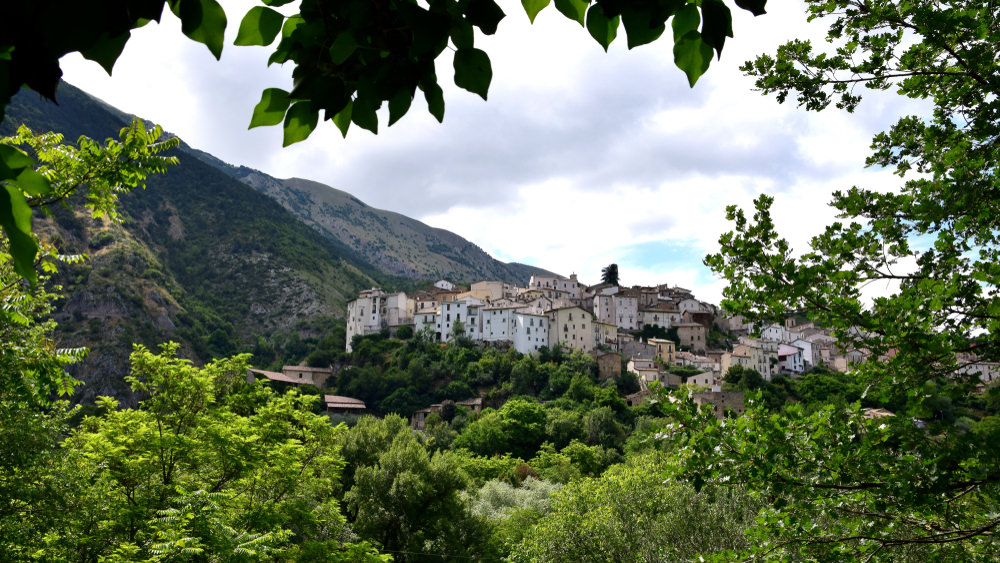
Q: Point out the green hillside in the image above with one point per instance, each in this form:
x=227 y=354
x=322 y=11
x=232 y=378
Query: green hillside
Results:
x=200 y=258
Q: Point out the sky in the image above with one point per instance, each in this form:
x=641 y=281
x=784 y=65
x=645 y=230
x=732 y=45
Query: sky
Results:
x=579 y=158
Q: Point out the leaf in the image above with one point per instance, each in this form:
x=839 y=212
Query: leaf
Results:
x=343 y=118
x=717 y=24
x=686 y=19
x=473 y=71
x=299 y=123
x=203 y=21
x=399 y=104
x=363 y=114
x=462 y=34
x=106 y=50
x=573 y=9
x=434 y=97
x=601 y=28
x=12 y=160
x=532 y=7
x=484 y=14
x=259 y=26
x=15 y=219
x=692 y=55
x=639 y=28
x=271 y=108
x=755 y=7
x=343 y=47
x=16 y=167
x=32 y=183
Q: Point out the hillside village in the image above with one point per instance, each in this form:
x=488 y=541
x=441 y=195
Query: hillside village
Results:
x=606 y=321
x=598 y=319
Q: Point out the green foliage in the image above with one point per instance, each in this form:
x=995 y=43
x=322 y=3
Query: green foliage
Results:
x=496 y=500
x=603 y=429
x=636 y=512
x=404 y=332
x=518 y=428
x=208 y=464
x=31 y=366
x=481 y=469
x=895 y=487
x=773 y=393
x=402 y=498
x=572 y=462
x=349 y=57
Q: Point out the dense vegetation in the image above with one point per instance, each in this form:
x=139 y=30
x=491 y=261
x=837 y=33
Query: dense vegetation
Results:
x=208 y=467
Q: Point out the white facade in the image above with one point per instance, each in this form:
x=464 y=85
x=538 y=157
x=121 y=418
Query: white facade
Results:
x=690 y=304
x=790 y=359
x=626 y=312
x=779 y=333
x=374 y=310
x=808 y=351
x=661 y=317
x=531 y=332
x=465 y=311
x=571 y=286
x=428 y=320
x=497 y=323
x=604 y=308
x=445 y=285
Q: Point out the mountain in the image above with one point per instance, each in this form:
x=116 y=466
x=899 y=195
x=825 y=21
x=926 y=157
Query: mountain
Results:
x=393 y=243
x=224 y=259
x=199 y=258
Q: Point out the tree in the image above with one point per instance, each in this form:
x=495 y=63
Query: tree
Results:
x=912 y=485
x=518 y=428
x=609 y=274
x=208 y=464
x=634 y=512
x=404 y=499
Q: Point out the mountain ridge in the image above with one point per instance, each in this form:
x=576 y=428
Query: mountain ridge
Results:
x=205 y=258
x=342 y=217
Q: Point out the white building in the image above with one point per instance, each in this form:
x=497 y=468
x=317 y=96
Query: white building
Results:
x=374 y=310
x=570 y=285
x=445 y=285
x=498 y=324
x=790 y=359
x=531 y=332
x=626 y=311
